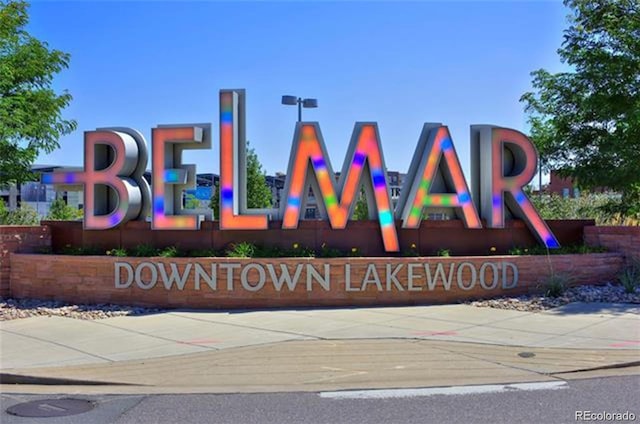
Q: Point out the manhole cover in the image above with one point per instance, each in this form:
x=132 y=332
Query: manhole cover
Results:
x=51 y=408
x=526 y=354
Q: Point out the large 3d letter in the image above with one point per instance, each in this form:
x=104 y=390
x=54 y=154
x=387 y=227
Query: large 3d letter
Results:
x=503 y=162
x=234 y=214
x=114 y=190
x=364 y=156
x=433 y=182
x=170 y=177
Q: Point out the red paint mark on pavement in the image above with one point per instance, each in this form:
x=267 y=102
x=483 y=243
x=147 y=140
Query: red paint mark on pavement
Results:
x=199 y=341
x=435 y=333
x=626 y=343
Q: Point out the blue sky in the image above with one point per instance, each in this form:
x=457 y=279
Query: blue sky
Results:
x=140 y=64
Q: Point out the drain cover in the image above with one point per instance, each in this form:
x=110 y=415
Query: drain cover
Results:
x=526 y=354
x=51 y=408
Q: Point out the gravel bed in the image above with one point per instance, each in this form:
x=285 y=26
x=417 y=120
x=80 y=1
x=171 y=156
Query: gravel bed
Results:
x=609 y=293
x=24 y=308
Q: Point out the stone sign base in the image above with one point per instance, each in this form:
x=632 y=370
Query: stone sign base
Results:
x=224 y=283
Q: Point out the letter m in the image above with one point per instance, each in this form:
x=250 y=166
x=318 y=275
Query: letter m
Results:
x=309 y=166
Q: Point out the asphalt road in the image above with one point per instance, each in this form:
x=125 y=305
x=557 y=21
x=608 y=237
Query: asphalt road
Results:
x=609 y=394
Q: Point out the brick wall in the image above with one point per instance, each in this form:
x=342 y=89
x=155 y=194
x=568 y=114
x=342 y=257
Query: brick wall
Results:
x=625 y=240
x=432 y=236
x=372 y=281
x=19 y=239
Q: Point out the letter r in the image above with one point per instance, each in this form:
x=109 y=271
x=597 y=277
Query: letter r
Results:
x=504 y=161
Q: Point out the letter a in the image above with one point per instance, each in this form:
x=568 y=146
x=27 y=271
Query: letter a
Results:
x=435 y=173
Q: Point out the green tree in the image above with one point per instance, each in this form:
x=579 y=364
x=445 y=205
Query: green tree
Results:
x=60 y=211
x=258 y=192
x=214 y=203
x=586 y=122
x=191 y=202
x=361 y=210
x=3 y=211
x=30 y=110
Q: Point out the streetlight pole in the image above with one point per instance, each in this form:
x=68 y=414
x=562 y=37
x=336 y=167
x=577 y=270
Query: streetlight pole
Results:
x=295 y=100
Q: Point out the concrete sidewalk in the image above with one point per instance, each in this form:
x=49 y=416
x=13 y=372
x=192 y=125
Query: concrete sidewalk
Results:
x=321 y=349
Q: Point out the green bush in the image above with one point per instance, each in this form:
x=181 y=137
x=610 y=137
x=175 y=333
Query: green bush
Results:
x=24 y=215
x=298 y=251
x=629 y=277
x=445 y=253
x=412 y=251
x=520 y=251
x=329 y=252
x=556 y=284
x=144 y=251
x=118 y=252
x=604 y=208
x=572 y=249
x=241 y=250
x=202 y=253
x=268 y=252
x=169 y=252
x=82 y=250
x=60 y=211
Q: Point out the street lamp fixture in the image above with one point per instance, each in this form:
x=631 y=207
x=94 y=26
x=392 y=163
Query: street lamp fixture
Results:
x=294 y=100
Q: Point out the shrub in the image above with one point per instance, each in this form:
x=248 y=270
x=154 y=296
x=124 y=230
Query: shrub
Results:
x=329 y=252
x=169 y=252
x=241 y=250
x=519 y=251
x=444 y=253
x=25 y=215
x=298 y=251
x=629 y=277
x=81 y=250
x=60 y=211
x=202 y=253
x=144 y=251
x=268 y=252
x=118 y=252
x=605 y=208
x=412 y=251
x=579 y=249
x=556 y=284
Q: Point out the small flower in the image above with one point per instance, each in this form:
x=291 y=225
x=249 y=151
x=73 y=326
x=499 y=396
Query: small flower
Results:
x=493 y=248
x=354 y=249
x=295 y=245
x=324 y=245
x=526 y=250
x=413 y=245
x=108 y=252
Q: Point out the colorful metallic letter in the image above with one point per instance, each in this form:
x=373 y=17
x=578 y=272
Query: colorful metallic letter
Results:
x=114 y=190
x=434 y=182
x=503 y=162
x=170 y=177
x=363 y=156
x=234 y=214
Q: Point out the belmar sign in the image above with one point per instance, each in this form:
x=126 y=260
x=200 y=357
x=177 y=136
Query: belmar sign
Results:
x=503 y=161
